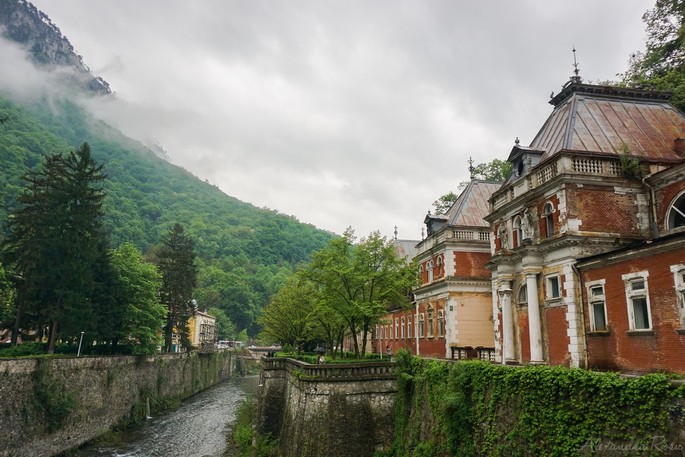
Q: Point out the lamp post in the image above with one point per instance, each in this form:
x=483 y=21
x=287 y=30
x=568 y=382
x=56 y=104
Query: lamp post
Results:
x=78 y=354
x=504 y=294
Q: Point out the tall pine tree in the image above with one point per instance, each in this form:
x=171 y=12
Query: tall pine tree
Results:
x=176 y=262
x=55 y=241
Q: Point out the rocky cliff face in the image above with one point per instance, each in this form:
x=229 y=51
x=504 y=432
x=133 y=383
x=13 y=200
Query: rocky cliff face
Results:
x=23 y=23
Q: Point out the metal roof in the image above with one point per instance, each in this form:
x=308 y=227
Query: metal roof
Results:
x=472 y=205
x=610 y=120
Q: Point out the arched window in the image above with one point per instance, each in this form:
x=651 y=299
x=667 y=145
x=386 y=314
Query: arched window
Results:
x=421 y=326
x=440 y=269
x=409 y=327
x=397 y=329
x=518 y=233
x=402 y=328
x=548 y=216
x=676 y=213
x=430 y=322
x=522 y=298
x=429 y=267
x=441 y=323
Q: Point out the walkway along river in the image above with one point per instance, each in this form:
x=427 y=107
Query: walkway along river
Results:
x=198 y=428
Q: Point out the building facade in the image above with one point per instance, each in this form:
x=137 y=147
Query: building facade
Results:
x=452 y=312
x=589 y=185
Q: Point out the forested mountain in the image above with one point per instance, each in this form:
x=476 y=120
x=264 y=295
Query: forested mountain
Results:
x=245 y=252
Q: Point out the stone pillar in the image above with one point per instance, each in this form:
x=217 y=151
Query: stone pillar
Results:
x=504 y=293
x=534 y=322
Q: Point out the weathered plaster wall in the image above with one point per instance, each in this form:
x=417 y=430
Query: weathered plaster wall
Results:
x=328 y=410
x=50 y=405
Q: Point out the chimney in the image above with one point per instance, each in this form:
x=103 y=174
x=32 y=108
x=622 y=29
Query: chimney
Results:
x=679 y=146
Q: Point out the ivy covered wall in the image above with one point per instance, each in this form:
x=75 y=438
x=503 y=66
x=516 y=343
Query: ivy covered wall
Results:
x=481 y=409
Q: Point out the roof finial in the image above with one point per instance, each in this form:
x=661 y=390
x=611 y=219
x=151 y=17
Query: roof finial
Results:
x=471 y=168
x=576 y=71
x=395 y=233
x=517 y=141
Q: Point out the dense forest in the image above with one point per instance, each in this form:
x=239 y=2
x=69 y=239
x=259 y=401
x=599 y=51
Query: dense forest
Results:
x=244 y=253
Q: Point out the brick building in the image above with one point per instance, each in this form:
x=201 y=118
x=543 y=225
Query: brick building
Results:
x=589 y=220
x=452 y=314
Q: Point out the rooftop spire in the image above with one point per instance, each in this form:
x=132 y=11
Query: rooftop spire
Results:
x=576 y=71
x=471 y=168
x=395 y=233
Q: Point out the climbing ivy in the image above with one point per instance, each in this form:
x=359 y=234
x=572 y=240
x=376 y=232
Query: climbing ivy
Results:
x=52 y=396
x=477 y=408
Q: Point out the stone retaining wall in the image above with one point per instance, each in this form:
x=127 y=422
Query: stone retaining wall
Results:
x=49 y=405
x=327 y=410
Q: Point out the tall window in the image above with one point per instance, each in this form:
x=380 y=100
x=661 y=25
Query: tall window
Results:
x=522 y=298
x=679 y=282
x=409 y=327
x=553 y=288
x=421 y=326
x=402 y=328
x=597 y=305
x=421 y=273
x=518 y=233
x=441 y=323
x=548 y=215
x=637 y=298
x=429 y=267
x=440 y=266
x=397 y=327
x=430 y=322
x=676 y=213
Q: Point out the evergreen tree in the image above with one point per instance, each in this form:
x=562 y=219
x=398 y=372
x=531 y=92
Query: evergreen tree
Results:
x=176 y=262
x=55 y=240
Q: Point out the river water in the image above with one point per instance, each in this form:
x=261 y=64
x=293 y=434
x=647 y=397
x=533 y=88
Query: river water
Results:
x=198 y=428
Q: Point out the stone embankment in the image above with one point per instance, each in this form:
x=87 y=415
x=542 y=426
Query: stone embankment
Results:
x=49 y=405
x=329 y=409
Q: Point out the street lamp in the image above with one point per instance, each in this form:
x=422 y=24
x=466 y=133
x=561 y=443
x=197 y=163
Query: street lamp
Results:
x=504 y=294
x=78 y=354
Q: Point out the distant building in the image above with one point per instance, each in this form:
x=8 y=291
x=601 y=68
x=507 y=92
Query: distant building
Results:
x=202 y=329
x=587 y=261
x=452 y=312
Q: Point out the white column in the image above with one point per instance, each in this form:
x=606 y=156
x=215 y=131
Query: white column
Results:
x=416 y=328
x=534 y=327
x=507 y=323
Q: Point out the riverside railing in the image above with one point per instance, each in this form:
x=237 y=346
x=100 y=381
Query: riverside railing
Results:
x=331 y=371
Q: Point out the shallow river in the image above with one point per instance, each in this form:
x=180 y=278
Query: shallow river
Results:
x=198 y=428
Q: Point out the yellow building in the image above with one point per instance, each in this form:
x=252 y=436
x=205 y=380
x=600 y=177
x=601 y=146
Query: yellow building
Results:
x=202 y=329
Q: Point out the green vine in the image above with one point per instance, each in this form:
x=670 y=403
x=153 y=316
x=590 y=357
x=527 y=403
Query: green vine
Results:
x=52 y=396
x=476 y=408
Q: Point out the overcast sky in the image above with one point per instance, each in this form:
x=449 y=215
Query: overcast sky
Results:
x=342 y=113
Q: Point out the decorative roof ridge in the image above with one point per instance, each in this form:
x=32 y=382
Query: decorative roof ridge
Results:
x=631 y=93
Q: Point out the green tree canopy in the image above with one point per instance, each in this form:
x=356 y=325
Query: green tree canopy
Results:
x=225 y=328
x=360 y=282
x=57 y=245
x=139 y=288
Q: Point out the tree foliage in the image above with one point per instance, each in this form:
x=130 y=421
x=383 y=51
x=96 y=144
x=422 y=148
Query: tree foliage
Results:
x=496 y=170
x=176 y=261
x=225 y=329
x=662 y=65
x=57 y=245
x=139 y=289
x=287 y=317
x=357 y=283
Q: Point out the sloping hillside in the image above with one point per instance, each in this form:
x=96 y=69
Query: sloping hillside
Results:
x=245 y=252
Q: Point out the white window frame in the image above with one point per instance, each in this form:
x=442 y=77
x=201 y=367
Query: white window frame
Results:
x=429 y=267
x=518 y=231
x=548 y=215
x=430 y=319
x=397 y=324
x=679 y=285
x=409 y=326
x=628 y=280
x=402 y=322
x=548 y=287
x=673 y=211
x=593 y=300
x=422 y=326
